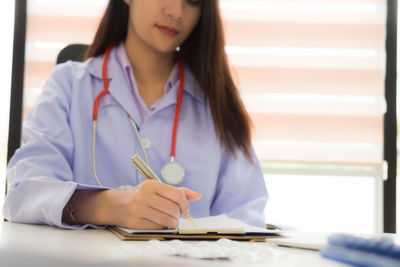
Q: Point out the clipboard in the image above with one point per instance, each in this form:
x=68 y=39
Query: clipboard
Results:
x=204 y=234
x=209 y=229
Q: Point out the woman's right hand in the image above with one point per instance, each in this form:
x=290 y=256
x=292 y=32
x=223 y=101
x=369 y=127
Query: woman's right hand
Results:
x=152 y=205
x=149 y=205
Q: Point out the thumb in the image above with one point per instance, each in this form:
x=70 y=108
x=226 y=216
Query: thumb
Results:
x=191 y=195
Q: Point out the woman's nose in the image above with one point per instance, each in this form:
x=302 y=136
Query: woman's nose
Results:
x=174 y=9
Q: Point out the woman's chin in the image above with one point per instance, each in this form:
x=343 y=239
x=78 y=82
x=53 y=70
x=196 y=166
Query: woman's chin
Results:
x=166 y=51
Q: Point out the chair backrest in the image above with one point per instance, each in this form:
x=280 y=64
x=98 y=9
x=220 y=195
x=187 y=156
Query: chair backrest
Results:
x=74 y=52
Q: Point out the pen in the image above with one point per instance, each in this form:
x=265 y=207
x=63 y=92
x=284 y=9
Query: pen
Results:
x=145 y=170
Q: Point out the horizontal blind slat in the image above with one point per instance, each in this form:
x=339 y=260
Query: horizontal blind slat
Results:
x=308 y=80
x=322 y=105
x=314 y=152
x=67 y=8
x=52 y=29
x=331 y=35
x=371 y=60
x=275 y=127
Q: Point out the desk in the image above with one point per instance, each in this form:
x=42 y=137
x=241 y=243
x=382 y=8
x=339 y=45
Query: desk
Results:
x=100 y=247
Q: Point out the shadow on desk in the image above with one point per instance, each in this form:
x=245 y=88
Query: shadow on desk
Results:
x=14 y=257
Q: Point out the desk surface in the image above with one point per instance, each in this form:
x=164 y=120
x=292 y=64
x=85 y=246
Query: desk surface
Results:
x=100 y=246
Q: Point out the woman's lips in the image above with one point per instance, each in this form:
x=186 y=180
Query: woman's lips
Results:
x=168 y=30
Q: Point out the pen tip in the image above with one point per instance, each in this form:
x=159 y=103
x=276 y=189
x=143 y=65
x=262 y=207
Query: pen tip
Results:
x=191 y=220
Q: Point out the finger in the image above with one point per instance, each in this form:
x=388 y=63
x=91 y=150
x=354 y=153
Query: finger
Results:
x=165 y=205
x=191 y=195
x=174 y=194
x=160 y=218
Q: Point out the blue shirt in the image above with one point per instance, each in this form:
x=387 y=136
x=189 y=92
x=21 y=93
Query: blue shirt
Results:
x=55 y=158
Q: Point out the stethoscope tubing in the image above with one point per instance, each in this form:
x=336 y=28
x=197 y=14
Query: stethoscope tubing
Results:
x=106 y=91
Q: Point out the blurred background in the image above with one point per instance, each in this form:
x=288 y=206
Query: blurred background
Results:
x=311 y=74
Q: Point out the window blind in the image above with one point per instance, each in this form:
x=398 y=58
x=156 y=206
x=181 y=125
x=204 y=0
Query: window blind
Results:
x=52 y=25
x=311 y=73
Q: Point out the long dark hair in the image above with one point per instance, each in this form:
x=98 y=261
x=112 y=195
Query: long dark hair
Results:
x=204 y=53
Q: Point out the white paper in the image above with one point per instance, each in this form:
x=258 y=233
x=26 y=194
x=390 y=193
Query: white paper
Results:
x=133 y=231
x=220 y=221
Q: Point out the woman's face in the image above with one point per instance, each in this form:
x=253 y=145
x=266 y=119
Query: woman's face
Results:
x=162 y=25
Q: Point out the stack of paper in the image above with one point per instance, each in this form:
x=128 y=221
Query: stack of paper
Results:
x=212 y=227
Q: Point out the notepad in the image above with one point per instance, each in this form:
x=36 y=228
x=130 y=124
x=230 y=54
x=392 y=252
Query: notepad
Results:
x=213 y=224
x=212 y=227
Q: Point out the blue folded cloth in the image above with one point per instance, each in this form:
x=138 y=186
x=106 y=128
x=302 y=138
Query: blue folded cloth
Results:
x=362 y=251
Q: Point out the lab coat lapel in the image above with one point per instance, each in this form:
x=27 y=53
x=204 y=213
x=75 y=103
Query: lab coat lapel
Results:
x=190 y=86
x=120 y=89
x=170 y=98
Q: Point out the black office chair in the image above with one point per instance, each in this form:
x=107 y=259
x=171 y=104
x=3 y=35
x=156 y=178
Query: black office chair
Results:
x=74 y=52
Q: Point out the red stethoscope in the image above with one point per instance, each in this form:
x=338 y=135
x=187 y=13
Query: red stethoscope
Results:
x=172 y=172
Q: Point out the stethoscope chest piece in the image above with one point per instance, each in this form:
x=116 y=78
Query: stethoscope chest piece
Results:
x=173 y=173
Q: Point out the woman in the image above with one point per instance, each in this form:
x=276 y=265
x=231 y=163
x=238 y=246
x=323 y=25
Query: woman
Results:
x=155 y=83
